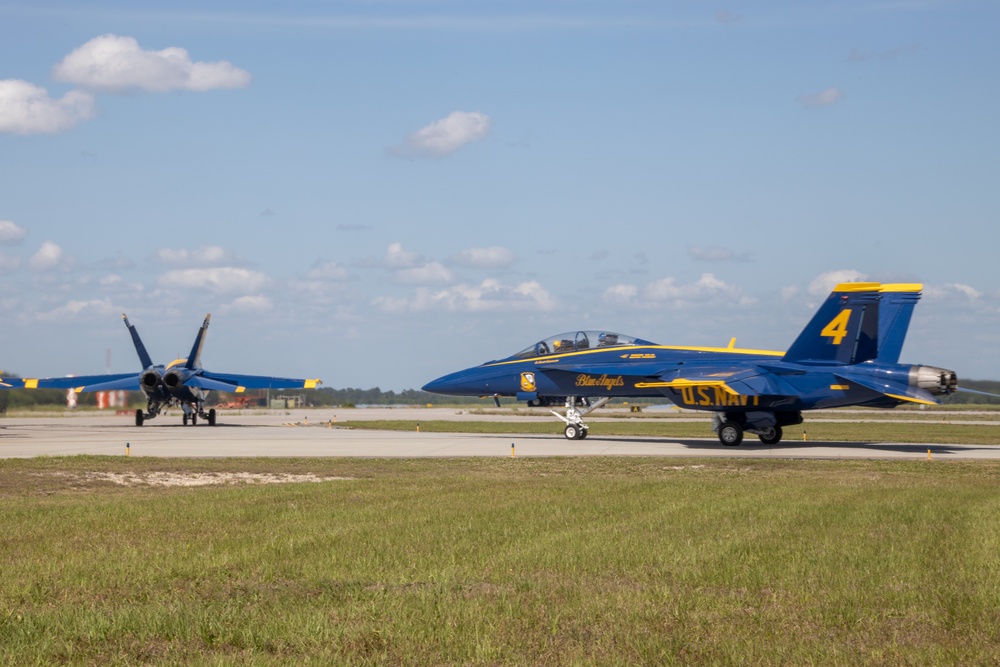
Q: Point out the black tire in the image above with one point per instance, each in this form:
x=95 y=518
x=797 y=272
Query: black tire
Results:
x=211 y=417
x=730 y=434
x=185 y=418
x=139 y=417
x=194 y=418
x=772 y=438
x=584 y=432
x=572 y=432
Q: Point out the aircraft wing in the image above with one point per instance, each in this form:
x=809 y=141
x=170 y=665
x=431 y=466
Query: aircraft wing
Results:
x=239 y=383
x=83 y=383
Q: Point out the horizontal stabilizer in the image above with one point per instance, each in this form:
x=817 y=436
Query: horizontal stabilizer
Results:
x=259 y=381
x=897 y=391
x=214 y=385
x=130 y=383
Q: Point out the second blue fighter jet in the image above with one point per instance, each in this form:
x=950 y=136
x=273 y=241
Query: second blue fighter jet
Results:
x=847 y=355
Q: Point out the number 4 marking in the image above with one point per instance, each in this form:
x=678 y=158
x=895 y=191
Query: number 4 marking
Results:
x=837 y=328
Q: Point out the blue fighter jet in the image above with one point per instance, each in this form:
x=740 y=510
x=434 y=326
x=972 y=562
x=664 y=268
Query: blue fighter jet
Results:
x=847 y=355
x=182 y=383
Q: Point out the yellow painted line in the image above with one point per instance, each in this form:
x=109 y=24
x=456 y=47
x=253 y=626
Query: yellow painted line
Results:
x=840 y=387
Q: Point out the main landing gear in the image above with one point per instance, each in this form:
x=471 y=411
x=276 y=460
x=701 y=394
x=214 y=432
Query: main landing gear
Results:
x=192 y=412
x=730 y=426
x=190 y=416
x=575 y=428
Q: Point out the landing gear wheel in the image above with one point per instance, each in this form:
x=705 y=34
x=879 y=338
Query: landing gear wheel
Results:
x=139 y=417
x=584 y=432
x=185 y=418
x=211 y=417
x=573 y=432
x=194 y=418
x=772 y=437
x=730 y=434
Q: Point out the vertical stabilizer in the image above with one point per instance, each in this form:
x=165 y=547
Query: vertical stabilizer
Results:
x=895 y=310
x=844 y=330
x=139 y=347
x=194 y=359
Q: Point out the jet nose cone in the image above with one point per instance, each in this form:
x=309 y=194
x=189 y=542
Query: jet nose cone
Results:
x=438 y=386
x=432 y=386
x=453 y=384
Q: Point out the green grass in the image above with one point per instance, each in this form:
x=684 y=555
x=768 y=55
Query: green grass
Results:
x=955 y=432
x=503 y=561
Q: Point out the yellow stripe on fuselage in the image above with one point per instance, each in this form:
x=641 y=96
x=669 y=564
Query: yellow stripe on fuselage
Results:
x=636 y=349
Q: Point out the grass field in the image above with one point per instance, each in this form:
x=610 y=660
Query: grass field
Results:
x=546 y=561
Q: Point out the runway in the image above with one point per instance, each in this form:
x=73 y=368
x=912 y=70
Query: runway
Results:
x=313 y=433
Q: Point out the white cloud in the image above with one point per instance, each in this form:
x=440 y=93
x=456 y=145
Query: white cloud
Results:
x=432 y=273
x=493 y=257
x=826 y=98
x=10 y=232
x=950 y=290
x=71 y=309
x=397 y=258
x=446 y=135
x=206 y=256
x=111 y=63
x=48 y=257
x=327 y=271
x=706 y=291
x=824 y=283
x=250 y=304
x=620 y=294
x=488 y=296
x=27 y=109
x=221 y=280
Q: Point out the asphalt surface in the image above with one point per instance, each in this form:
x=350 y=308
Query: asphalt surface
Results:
x=300 y=433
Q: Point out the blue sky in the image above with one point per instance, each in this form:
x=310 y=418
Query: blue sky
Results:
x=376 y=193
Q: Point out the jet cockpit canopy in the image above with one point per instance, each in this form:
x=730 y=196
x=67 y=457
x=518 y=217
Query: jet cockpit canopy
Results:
x=576 y=341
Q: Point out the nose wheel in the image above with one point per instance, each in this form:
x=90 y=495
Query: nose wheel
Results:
x=575 y=428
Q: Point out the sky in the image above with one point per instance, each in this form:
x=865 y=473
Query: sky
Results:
x=378 y=193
